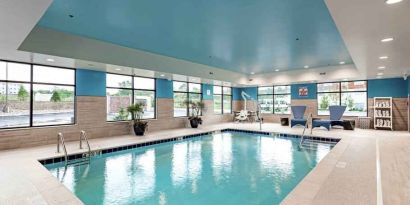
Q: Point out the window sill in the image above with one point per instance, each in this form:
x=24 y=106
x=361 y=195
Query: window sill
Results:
x=35 y=127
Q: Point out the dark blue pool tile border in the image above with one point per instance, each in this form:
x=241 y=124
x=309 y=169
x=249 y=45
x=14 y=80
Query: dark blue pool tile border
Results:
x=144 y=144
x=323 y=139
x=121 y=148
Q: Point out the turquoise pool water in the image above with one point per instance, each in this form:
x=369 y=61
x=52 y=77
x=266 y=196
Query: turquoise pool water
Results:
x=228 y=168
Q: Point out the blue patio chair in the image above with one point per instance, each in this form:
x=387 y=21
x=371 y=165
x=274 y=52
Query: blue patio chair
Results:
x=298 y=113
x=336 y=113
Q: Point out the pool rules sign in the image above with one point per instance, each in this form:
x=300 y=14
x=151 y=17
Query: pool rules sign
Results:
x=303 y=91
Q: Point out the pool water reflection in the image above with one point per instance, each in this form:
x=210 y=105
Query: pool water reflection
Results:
x=227 y=168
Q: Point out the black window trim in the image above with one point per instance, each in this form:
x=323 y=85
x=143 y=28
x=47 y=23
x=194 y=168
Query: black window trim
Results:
x=31 y=83
x=340 y=95
x=222 y=99
x=273 y=97
x=187 y=92
x=132 y=89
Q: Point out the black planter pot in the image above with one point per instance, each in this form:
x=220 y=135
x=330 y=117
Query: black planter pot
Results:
x=194 y=123
x=139 y=130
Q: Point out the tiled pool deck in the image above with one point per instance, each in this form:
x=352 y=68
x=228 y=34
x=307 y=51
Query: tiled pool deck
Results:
x=347 y=175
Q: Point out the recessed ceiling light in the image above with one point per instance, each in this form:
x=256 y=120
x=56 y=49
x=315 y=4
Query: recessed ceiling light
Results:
x=306 y=66
x=118 y=69
x=379 y=74
x=381 y=67
x=277 y=70
x=393 y=1
x=252 y=73
x=387 y=39
x=341 y=62
x=384 y=57
x=50 y=60
x=162 y=75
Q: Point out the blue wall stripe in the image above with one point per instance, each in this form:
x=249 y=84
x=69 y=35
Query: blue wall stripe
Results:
x=90 y=83
x=393 y=87
x=252 y=91
x=164 y=88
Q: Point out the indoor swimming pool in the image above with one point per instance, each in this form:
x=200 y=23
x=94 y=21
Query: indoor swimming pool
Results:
x=230 y=167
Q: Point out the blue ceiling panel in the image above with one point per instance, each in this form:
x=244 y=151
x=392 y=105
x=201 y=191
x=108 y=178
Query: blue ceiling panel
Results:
x=237 y=35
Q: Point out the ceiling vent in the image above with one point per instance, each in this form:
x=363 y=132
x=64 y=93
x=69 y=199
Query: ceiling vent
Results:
x=324 y=73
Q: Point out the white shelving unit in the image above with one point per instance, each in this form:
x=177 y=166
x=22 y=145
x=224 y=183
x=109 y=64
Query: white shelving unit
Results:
x=383 y=113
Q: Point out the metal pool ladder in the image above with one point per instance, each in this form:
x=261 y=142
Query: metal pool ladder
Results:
x=304 y=130
x=85 y=157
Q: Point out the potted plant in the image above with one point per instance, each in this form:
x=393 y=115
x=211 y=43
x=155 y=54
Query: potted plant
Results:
x=196 y=107
x=137 y=111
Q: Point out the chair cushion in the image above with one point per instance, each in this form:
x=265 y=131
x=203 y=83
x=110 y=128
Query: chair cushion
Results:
x=321 y=123
x=301 y=121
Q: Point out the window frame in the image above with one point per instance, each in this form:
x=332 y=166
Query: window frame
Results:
x=132 y=89
x=340 y=95
x=222 y=95
x=273 y=97
x=31 y=83
x=187 y=92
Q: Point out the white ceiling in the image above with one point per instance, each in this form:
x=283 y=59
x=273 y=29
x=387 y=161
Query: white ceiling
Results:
x=362 y=24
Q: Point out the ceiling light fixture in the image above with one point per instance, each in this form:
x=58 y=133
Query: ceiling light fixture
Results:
x=384 y=40
x=162 y=75
x=252 y=73
x=341 y=62
x=393 y=1
x=50 y=60
x=306 y=66
x=379 y=74
x=276 y=70
x=118 y=69
x=379 y=77
x=381 y=67
x=383 y=57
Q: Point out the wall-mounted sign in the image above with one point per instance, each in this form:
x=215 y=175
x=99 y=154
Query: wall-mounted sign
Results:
x=208 y=92
x=303 y=91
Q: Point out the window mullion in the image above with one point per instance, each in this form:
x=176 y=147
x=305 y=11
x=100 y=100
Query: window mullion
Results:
x=31 y=97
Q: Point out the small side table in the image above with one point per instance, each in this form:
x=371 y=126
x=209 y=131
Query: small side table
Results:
x=284 y=121
x=348 y=124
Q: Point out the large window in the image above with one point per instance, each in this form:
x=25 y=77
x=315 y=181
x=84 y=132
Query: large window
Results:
x=274 y=99
x=124 y=90
x=222 y=100
x=35 y=95
x=353 y=94
x=184 y=92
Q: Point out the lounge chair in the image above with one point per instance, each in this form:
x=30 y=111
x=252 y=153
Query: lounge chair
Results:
x=298 y=113
x=336 y=113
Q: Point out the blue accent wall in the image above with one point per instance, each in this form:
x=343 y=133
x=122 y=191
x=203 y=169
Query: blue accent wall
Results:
x=312 y=89
x=252 y=91
x=164 y=89
x=205 y=95
x=408 y=86
x=392 y=87
x=90 y=83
